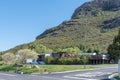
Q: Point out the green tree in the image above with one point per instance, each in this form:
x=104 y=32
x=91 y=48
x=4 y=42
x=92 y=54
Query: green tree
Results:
x=25 y=54
x=39 y=48
x=72 y=49
x=81 y=47
x=90 y=50
x=8 y=58
x=0 y=56
x=96 y=51
x=57 y=49
x=114 y=48
x=49 y=60
x=85 y=59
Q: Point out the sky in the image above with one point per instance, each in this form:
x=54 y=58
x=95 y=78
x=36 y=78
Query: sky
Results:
x=21 y=21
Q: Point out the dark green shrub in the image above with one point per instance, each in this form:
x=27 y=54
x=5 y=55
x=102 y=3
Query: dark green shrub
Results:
x=7 y=68
x=55 y=61
x=69 y=61
x=65 y=60
x=49 y=60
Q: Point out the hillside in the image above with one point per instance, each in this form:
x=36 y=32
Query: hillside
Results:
x=93 y=25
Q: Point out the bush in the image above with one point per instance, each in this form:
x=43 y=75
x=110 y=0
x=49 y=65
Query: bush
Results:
x=69 y=61
x=8 y=58
x=62 y=61
x=55 y=61
x=0 y=57
x=77 y=61
x=84 y=59
x=1 y=62
x=9 y=68
x=49 y=60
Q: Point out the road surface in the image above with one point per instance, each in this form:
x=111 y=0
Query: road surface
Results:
x=101 y=73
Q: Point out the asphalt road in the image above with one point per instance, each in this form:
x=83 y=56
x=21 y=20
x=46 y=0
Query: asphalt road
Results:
x=100 y=73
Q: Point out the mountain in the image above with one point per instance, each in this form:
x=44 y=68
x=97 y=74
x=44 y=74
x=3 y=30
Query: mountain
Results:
x=95 y=6
x=93 y=25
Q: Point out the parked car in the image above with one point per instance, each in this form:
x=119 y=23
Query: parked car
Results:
x=41 y=62
x=33 y=62
x=36 y=62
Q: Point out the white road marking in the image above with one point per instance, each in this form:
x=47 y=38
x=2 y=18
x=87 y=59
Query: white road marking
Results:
x=66 y=71
x=86 y=76
x=91 y=74
x=7 y=74
x=78 y=78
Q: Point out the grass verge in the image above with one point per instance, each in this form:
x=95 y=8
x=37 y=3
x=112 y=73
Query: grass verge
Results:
x=29 y=69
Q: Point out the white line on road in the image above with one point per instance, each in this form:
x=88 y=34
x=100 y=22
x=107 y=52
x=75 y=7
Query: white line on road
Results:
x=90 y=75
x=78 y=78
x=71 y=71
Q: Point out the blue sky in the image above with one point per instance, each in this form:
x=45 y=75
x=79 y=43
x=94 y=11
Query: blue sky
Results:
x=22 y=20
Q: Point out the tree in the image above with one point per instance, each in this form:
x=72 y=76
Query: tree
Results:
x=8 y=58
x=85 y=59
x=49 y=60
x=96 y=51
x=90 y=50
x=114 y=48
x=81 y=47
x=1 y=56
x=39 y=48
x=72 y=49
x=25 y=54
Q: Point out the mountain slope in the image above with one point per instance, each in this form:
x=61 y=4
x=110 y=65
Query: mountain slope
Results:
x=93 y=25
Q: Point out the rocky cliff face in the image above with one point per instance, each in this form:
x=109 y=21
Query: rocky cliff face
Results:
x=95 y=7
x=109 y=24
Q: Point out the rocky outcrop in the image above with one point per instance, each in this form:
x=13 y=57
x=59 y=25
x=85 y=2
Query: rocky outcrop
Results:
x=95 y=7
x=109 y=24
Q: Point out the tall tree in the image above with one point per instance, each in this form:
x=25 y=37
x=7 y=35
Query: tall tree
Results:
x=114 y=48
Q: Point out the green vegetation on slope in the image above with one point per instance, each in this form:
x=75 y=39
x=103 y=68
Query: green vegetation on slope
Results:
x=84 y=31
